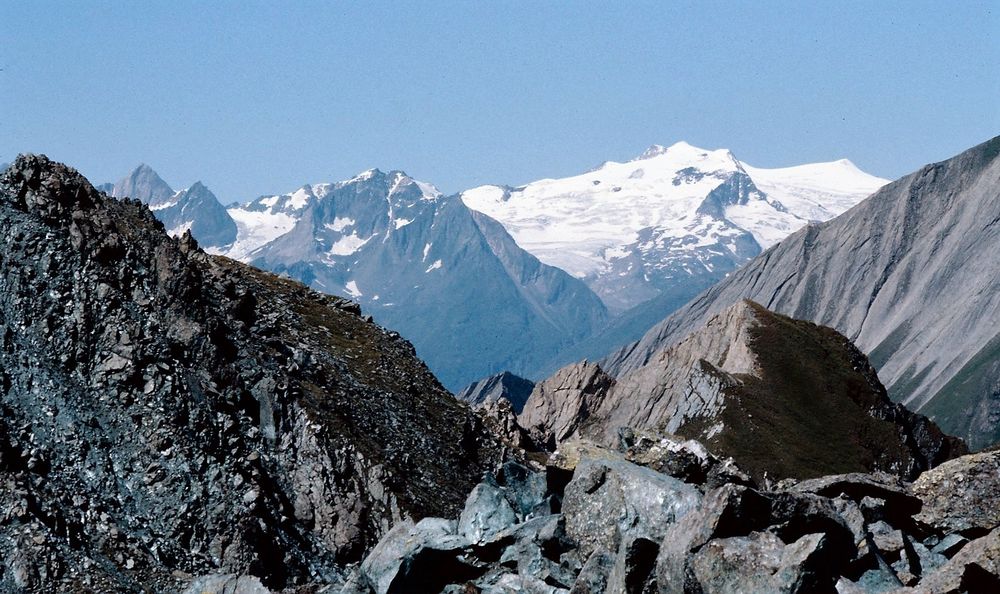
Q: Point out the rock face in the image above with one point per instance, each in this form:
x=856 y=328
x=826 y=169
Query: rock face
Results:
x=784 y=398
x=559 y=405
x=502 y=385
x=169 y=414
x=617 y=527
x=904 y=275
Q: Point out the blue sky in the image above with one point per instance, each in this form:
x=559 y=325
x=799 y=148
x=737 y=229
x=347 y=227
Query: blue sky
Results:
x=255 y=98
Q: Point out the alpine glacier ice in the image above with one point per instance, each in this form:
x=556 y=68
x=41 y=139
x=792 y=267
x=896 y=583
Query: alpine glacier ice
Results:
x=631 y=229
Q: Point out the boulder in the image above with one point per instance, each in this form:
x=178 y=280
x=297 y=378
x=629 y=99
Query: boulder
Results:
x=687 y=460
x=418 y=557
x=486 y=513
x=961 y=495
x=593 y=577
x=610 y=499
x=737 y=511
x=226 y=584
x=975 y=568
x=761 y=562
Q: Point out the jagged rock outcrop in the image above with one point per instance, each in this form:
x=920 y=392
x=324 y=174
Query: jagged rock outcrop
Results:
x=784 y=398
x=906 y=275
x=616 y=527
x=170 y=417
x=505 y=385
x=559 y=405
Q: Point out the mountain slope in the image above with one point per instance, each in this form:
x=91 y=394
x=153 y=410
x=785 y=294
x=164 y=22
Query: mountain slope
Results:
x=667 y=219
x=450 y=279
x=169 y=414
x=908 y=275
x=784 y=398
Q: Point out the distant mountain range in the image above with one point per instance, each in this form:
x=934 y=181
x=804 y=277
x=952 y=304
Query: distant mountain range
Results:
x=636 y=229
x=521 y=279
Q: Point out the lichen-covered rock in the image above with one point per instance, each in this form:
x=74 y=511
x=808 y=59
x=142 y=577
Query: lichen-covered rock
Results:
x=961 y=495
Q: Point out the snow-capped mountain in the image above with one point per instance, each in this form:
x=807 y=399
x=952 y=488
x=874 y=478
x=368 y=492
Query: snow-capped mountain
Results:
x=195 y=208
x=645 y=227
x=448 y=278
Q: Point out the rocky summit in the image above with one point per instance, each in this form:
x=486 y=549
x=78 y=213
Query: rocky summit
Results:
x=176 y=421
x=785 y=398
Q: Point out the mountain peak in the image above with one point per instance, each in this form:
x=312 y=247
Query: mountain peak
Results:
x=654 y=150
x=683 y=151
x=143 y=184
x=40 y=184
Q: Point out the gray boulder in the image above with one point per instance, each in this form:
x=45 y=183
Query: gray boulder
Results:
x=610 y=499
x=761 y=562
x=486 y=513
x=418 y=557
x=593 y=576
x=736 y=511
x=961 y=495
x=226 y=584
x=976 y=568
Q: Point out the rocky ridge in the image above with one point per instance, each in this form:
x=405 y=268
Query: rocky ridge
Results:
x=171 y=418
x=783 y=397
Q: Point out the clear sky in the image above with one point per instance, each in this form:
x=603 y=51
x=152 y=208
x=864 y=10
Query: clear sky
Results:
x=256 y=98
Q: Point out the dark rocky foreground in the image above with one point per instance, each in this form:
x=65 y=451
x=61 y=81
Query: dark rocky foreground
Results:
x=165 y=414
x=600 y=521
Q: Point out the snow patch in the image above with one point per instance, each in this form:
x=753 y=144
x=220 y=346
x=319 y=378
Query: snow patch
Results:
x=180 y=229
x=340 y=223
x=255 y=229
x=437 y=264
x=352 y=289
x=347 y=245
